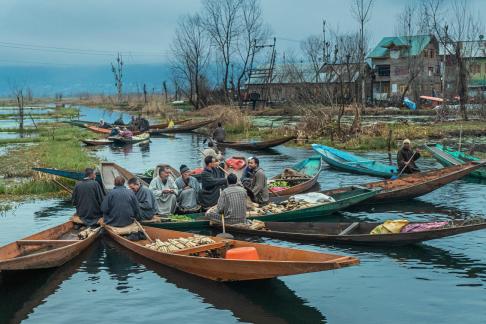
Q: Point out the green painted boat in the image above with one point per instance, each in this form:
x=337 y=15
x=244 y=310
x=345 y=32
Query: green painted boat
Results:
x=448 y=157
x=343 y=200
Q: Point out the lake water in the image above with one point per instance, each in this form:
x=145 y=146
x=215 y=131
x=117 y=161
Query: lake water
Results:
x=441 y=281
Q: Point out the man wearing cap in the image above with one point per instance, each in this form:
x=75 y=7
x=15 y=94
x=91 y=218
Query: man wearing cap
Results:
x=189 y=189
x=406 y=158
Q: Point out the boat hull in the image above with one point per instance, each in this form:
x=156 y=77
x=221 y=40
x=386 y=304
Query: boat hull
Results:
x=256 y=145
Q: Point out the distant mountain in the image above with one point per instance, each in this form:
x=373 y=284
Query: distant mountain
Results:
x=45 y=81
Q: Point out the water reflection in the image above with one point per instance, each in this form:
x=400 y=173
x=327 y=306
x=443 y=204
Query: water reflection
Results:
x=265 y=301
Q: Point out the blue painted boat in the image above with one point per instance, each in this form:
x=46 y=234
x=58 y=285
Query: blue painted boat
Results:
x=448 y=157
x=348 y=162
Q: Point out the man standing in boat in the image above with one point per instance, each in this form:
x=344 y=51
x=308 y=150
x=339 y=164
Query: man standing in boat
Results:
x=212 y=180
x=189 y=189
x=87 y=198
x=219 y=133
x=165 y=192
x=120 y=207
x=211 y=151
x=231 y=204
x=145 y=197
x=258 y=184
x=406 y=158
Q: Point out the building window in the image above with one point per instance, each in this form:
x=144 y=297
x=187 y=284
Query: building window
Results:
x=402 y=89
x=383 y=70
x=426 y=53
x=431 y=53
x=431 y=71
x=475 y=68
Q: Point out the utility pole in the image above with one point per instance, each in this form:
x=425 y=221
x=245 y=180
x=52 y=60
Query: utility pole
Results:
x=324 y=50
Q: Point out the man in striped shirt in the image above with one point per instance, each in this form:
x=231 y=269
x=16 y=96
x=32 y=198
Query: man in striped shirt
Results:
x=231 y=203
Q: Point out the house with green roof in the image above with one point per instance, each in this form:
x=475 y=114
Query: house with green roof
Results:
x=405 y=66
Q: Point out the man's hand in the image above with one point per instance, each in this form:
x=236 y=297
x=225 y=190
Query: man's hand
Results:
x=167 y=191
x=417 y=150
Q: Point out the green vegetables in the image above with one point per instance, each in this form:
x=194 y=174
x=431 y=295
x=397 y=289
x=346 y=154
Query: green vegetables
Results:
x=180 y=218
x=278 y=183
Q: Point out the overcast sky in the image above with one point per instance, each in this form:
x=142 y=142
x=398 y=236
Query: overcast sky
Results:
x=146 y=27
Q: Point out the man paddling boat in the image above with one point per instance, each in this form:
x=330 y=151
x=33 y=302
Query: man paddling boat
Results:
x=87 y=198
x=406 y=158
x=231 y=204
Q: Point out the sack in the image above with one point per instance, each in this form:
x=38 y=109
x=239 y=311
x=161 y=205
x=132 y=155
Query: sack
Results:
x=129 y=229
x=313 y=198
x=390 y=227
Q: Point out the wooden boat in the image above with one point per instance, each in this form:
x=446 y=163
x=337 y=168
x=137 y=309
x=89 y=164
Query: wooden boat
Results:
x=448 y=157
x=164 y=125
x=130 y=140
x=110 y=170
x=47 y=249
x=273 y=261
x=354 y=233
x=97 y=142
x=254 y=145
x=75 y=175
x=105 y=131
x=310 y=167
x=412 y=185
x=343 y=200
x=348 y=162
x=185 y=128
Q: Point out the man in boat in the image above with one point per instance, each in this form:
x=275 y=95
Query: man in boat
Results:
x=212 y=181
x=145 y=197
x=189 y=189
x=406 y=158
x=119 y=121
x=120 y=207
x=219 y=133
x=231 y=203
x=87 y=198
x=102 y=124
x=247 y=174
x=143 y=124
x=258 y=184
x=165 y=192
x=211 y=151
x=115 y=131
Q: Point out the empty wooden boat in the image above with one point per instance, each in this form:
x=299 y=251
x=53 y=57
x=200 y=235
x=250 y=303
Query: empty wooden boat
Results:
x=412 y=185
x=304 y=178
x=256 y=145
x=97 y=142
x=109 y=171
x=47 y=249
x=184 y=128
x=355 y=233
x=348 y=162
x=210 y=260
x=448 y=157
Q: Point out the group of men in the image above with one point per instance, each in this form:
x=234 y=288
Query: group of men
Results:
x=137 y=124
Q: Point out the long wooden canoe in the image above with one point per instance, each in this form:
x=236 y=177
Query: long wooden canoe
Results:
x=310 y=167
x=448 y=157
x=255 y=145
x=110 y=170
x=343 y=200
x=348 y=162
x=185 y=128
x=47 y=249
x=164 y=125
x=132 y=140
x=274 y=261
x=97 y=142
x=412 y=185
x=359 y=233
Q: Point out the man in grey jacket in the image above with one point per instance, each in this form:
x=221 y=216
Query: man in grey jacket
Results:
x=145 y=197
x=120 y=207
x=258 y=185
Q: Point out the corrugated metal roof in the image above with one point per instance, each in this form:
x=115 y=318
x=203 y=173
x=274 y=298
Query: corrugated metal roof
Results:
x=417 y=44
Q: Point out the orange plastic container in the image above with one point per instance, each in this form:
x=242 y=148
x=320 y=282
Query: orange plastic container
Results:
x=242 y=253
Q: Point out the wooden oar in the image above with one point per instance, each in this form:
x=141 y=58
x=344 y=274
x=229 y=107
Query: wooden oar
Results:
x=224 y=234
x=406 y=165
x=143 y=231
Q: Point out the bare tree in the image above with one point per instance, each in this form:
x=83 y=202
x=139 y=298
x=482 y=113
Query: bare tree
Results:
x=117 y=70
x=253 y=31
x=312 y=47
x=458 y=30
x=190 y=50
x=222 y=24
x=19 y=97
x=412 y=21
x=362 y=12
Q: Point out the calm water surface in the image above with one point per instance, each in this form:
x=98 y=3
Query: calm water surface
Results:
x=442 y=281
